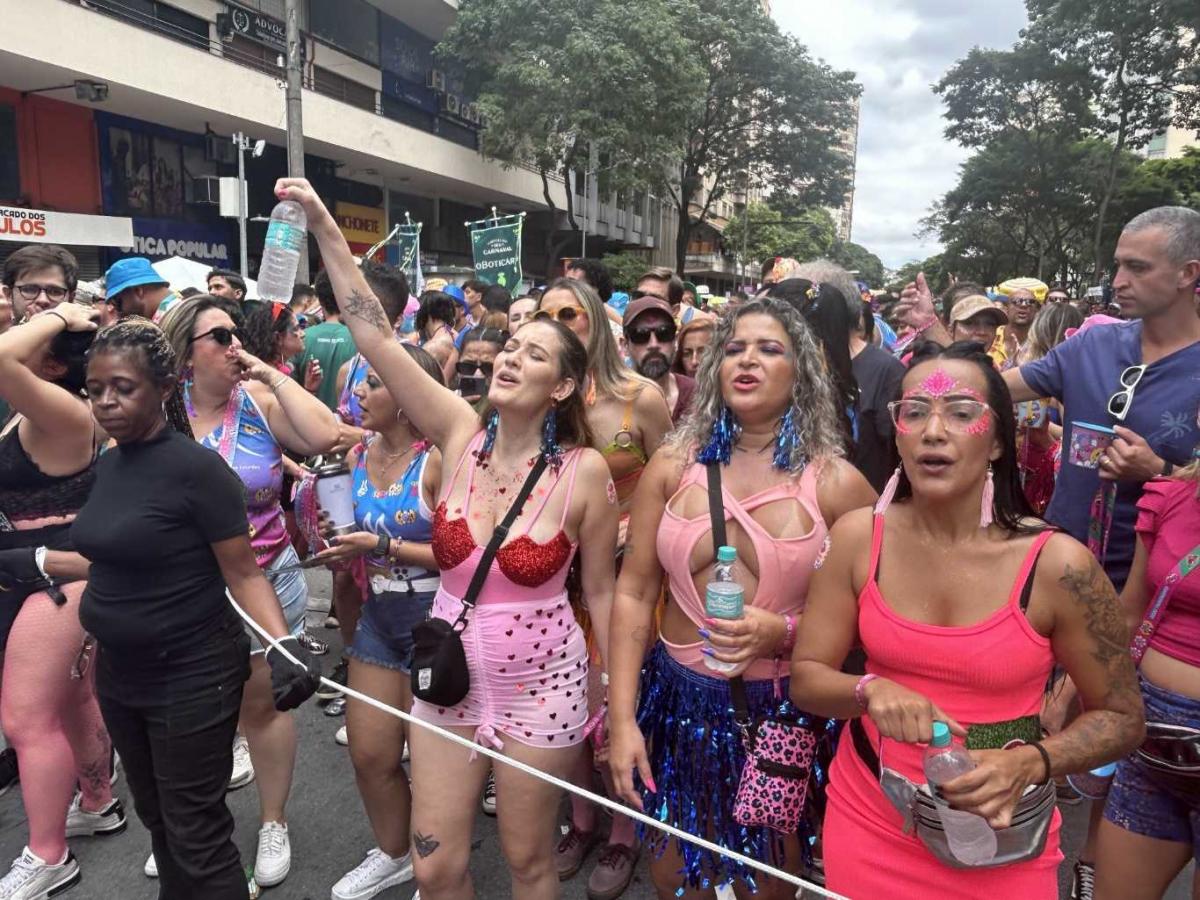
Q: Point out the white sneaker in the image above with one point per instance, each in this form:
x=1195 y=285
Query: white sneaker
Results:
x=341 y=736
x=84 y=823
x=32 y=878
x=151 y=867
x=274 y=859
x=115 y=774
x=373 y=875
x=243 y=768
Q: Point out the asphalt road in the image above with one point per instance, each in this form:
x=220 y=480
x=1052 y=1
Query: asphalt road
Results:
x=329 y=830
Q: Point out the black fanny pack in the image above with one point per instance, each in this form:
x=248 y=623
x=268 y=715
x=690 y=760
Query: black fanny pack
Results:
x=1170 y=756
x=439 y=666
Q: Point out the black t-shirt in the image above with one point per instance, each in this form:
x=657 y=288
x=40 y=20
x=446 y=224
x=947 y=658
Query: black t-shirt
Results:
x=878 y=374
x=155 y=510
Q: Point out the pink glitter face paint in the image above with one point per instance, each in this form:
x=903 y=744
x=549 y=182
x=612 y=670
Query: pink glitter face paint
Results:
x=938 y=383
x=982 y=425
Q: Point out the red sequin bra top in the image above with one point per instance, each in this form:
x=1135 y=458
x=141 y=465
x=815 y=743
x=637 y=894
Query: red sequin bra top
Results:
x=522 y=561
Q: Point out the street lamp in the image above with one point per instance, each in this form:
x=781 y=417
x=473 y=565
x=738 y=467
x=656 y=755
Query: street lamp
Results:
x=256 y=148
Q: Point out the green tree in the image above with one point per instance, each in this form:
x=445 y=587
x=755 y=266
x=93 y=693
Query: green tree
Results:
x=1142 y=55
x=766 y=108
x=563 y=82
x=857 y=258
x=808 y=234
x=625 y=269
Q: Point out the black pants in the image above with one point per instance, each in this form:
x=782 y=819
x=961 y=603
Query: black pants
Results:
x=175 y=736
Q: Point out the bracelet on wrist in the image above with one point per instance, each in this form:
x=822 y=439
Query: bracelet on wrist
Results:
x=383 y=546
x=57 y=315
x=860 y=689
x=1036 y=745
x=278 y=383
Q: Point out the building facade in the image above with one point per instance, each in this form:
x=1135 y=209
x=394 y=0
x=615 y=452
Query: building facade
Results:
x=126 y=108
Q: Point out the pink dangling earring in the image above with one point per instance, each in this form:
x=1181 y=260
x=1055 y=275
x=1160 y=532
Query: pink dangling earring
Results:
x=988 y=500
x=889 y=491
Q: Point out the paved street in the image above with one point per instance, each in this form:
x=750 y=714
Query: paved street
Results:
x=329 y=830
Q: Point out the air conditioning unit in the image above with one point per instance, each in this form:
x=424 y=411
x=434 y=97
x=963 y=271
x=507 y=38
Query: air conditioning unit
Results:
x=203 y=189
x=471 y=113
x=218 y=148
x=436 y=79
x=451 y=104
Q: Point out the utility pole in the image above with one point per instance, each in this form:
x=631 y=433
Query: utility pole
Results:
x=295 y=123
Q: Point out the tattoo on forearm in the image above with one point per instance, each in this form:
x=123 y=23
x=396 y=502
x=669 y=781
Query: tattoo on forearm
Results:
x=424 y=844
x=641 y=634
x=366 y=307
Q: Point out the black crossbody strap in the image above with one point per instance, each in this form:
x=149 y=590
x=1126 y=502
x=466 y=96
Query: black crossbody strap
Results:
x=716 y=513
x=498 y=536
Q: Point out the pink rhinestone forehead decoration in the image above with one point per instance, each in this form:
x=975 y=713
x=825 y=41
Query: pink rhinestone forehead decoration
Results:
x=938 y=383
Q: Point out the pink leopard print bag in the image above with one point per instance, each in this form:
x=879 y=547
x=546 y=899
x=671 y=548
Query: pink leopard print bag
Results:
x=773 y=791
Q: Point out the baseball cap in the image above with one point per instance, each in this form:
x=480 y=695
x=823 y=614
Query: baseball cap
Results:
x=971 y=306
x=645 y=304
x=132 y=272
x=457 y=293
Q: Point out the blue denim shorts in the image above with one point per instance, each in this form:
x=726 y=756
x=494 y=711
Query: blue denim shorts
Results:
x=1135 y=801
x=292 y=591
x=384 y=633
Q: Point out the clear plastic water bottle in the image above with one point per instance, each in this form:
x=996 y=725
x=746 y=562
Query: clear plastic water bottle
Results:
x=286 y=240
x=970 y=838
x=724 y=598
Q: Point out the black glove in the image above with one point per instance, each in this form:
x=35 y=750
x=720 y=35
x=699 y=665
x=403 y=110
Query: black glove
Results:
x=292 y=684
x=20 y=575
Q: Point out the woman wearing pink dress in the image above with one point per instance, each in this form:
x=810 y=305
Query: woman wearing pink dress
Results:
x=963 y=604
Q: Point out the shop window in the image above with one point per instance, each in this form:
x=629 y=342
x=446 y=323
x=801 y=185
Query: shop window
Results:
x=10 y=170
x=157 y=16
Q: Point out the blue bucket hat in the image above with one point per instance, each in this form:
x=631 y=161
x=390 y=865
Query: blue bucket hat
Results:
x=132 y=272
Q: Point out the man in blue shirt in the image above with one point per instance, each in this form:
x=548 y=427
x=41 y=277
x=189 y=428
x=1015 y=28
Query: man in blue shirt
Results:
x=1141 y=378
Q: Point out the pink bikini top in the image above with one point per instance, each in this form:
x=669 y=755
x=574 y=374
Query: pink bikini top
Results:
x=522 y=568
x=785 y=565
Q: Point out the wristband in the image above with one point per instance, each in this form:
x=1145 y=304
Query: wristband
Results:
x=383 y=545
x=789 y=640
x=1036 y=745
x=859 y=689
x=39 y=559
x=60 y=316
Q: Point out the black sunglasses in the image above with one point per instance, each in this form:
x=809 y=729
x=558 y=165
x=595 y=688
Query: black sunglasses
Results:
x=641 y=335
x=467 y=367
x=221 y=335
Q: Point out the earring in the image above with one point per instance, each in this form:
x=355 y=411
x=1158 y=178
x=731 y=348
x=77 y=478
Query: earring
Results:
x=489 y=436
x=889 y=491
x=987 y=501
x=725 y=432
x=786 y=441
x=550 y=447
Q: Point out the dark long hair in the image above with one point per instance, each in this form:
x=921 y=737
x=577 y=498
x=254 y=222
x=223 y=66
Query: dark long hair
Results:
x=262 y=327
x=573 y=428
x=69 y=349
x=828 y=315
x=1010 y=510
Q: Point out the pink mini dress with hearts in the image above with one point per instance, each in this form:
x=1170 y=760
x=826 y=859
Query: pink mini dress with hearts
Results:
x=526 y=655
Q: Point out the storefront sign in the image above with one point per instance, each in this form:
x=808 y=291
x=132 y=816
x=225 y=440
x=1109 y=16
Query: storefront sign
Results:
x=35 y=226
x=262 y=29
x=360 y=224
x=413 y=94
x=157 y=239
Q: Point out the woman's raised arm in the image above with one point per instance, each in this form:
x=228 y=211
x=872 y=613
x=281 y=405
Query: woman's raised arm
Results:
x=439 y=413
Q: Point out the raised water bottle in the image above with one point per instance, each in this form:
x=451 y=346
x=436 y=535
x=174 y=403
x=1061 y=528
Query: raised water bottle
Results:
x=723 y=599
x=286 y=240
x=969 y=836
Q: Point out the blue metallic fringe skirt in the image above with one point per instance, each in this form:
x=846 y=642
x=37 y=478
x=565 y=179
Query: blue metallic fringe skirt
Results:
x=697 y=756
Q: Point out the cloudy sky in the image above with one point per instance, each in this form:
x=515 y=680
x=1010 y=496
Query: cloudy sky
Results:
x=899 y=48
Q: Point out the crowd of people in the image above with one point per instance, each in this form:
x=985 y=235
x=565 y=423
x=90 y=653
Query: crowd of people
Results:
x=977 y=513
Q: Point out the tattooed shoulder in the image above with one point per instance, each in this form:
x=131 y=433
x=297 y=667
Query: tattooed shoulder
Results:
x=366 y=307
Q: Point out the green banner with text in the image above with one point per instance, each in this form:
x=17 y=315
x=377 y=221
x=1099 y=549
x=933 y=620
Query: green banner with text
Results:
x=497 y=252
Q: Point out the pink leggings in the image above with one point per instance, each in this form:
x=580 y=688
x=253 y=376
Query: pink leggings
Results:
x=52 y=720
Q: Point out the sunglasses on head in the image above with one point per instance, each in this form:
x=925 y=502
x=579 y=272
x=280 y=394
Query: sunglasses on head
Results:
x=468 y=367
x=566 y=315
x=54 y=292
x=639 y=335
x=220 y=335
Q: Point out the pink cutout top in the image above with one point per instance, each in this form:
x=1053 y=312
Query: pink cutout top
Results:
x=785 y=565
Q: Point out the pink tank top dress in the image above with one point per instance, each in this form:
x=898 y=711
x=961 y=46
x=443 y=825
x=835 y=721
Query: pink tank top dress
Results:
x=785 y=565
x=525 y=653
x=992 y=671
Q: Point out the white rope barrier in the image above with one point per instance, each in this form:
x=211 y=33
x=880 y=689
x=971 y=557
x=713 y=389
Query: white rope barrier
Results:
x=550 y=779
